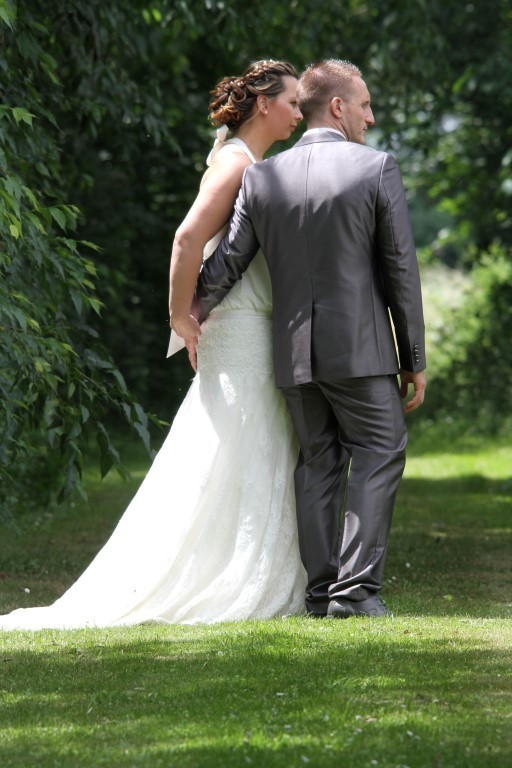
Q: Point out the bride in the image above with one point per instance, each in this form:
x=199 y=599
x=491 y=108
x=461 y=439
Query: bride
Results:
x=211 y=534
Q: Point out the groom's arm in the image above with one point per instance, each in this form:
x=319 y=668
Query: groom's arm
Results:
x=399 y=268
x=401 y=280
x=230 y=259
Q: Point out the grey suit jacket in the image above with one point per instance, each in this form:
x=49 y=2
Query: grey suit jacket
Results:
x=331 y=218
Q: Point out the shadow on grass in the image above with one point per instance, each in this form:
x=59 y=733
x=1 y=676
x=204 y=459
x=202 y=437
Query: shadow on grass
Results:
x=450 y=546
x=471 y=500
x=278 y=694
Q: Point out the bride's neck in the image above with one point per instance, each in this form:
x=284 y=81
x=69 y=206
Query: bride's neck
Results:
x=254 y=137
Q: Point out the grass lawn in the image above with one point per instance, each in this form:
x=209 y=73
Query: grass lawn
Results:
x=431 y=687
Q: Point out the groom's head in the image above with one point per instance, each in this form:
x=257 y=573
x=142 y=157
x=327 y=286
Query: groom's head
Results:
x=331 y=93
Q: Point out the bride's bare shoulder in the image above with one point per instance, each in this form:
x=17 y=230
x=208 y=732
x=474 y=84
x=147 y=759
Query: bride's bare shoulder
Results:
x=230 y=164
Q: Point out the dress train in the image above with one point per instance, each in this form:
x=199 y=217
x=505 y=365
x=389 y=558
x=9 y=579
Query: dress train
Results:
x=211 y=534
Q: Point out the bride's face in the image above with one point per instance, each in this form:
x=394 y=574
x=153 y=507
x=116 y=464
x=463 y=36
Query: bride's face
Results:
x=283 y=111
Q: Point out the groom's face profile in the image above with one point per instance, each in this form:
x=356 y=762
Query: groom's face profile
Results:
x=357 y=115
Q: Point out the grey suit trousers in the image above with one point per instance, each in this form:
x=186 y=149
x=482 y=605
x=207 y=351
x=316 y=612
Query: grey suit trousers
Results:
x=352 y=439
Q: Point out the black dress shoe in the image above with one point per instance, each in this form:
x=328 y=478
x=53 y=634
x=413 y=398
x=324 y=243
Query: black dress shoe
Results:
x=340 y=608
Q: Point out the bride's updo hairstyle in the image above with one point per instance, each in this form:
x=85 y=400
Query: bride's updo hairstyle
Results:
x=234 y=97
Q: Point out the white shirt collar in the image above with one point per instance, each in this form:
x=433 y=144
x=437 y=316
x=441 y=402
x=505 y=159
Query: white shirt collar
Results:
x=322 y=130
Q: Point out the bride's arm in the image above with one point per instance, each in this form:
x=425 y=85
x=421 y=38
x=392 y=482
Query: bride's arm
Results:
x=208 y=214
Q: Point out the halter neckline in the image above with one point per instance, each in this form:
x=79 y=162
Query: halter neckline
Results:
x=241 y=143
x=222 y=141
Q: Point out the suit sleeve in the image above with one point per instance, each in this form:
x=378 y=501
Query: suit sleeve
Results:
x=230 y=259
x=399 y=268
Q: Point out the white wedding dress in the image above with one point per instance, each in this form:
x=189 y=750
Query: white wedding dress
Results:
x=211 y=534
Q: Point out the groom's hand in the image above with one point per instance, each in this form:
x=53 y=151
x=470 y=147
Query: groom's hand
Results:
x=189 y=329
x=419 y=383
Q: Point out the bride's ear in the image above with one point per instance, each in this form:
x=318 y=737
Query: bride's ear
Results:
x=262 y=102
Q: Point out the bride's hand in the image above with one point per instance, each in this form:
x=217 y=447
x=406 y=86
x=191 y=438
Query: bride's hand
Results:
x=189 y=329
x=192 y=355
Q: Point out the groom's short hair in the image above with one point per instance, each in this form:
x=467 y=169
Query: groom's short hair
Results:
x=321 y=81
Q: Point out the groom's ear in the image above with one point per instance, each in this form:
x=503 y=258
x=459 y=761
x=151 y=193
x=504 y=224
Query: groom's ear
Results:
x=336 y=106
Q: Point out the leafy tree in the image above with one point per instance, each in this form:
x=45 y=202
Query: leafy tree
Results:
x=447 y=103
x=57 y=382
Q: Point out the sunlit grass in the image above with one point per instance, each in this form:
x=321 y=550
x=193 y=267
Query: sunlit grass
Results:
x=429 y=688
x=285 y=692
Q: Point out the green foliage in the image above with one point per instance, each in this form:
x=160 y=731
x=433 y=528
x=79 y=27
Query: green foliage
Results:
x=58 y=385
x=472 y=358
x=448 y=96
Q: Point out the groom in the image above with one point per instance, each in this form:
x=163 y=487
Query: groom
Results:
x=331 y=218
